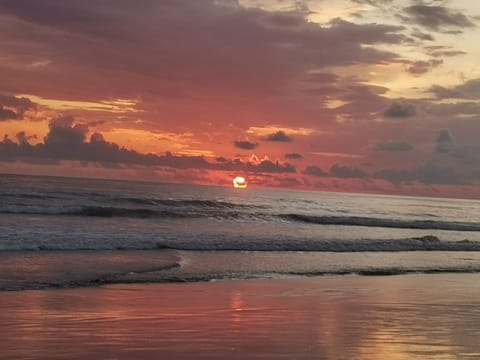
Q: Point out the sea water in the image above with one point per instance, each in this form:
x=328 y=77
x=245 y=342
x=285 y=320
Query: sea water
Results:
x=66 y=232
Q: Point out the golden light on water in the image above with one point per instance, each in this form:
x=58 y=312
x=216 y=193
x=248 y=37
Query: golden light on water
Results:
x=239 y=182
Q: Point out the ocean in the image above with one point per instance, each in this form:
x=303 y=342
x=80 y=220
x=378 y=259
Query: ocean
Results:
x=75 y=232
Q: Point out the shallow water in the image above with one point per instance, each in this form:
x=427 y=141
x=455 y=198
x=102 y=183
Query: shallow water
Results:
x=347 y=317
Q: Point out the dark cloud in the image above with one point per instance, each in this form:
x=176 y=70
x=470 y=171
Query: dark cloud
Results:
x=341 y=171
x=245 y=145
x=161 y=46
x=400 y=110
x=444 y=141
x=393 y=146
x=437 y=18
x=373 y=2
x=422 y=67
x=14 y=108
x=6 y=114
x=322 y=78
x=67 y=140
x=286 y=19
x=268 y=166
x=468 y=90
x=293 y=156
x=430 y=174
x=439 y=51
x=396 y=176
x=463 y=154
x=315 y=171
x=279 y=136
x=422 y=36
x=21 y=103
x=22 y=137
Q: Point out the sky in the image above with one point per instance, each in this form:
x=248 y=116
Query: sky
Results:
x=349 y=95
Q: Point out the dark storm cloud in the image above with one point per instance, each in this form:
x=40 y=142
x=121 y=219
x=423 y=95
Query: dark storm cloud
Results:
x=279 y=136
x=400 y=110
x=67 y=140
x=393 y=146
x=245 y=145
x=315 y=171
x=469 y=90
x=293 y=156
x=437 y=18
x=341 y=171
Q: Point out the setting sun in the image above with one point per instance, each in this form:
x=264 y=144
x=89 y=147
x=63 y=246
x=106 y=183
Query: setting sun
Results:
x=239 y=182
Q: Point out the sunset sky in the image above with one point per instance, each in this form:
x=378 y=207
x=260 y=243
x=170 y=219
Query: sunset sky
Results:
x=349 y=95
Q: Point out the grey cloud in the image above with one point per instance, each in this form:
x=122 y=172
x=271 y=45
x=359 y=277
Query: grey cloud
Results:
x=393 y=146
x=437 y=18
x=322 y=78
x=279 y=136
x=373 y=2
x=315 y=171
x=422 y=67
x=430 y=174
x=400 y=110
x=422 y=36
x=341 y=171
x=468 y=90
x=245 y=145
x=19 y=106
x=274 y=167
x=444 y=141
x=22 y=137
x=6 y=114
x=439 y=51
x=284 y=19
x=293 y=156
x=395 y=176
x=467 y=155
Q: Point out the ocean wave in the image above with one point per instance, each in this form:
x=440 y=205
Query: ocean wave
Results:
x=107 y=211
x=381 y=222
x=173 y=274
x=97 y=211
x=132 y=207
x=424 y=243
x=188 y=203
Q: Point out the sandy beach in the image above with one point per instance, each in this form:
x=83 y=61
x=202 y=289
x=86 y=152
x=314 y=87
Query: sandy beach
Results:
x=330 y=317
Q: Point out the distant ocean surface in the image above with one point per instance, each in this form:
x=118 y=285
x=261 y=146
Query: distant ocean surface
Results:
x=66 y=232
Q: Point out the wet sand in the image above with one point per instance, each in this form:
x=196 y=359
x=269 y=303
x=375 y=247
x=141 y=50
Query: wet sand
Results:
x=330 y=317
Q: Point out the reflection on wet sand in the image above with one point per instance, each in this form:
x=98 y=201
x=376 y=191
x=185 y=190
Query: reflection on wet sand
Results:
x=350 y=317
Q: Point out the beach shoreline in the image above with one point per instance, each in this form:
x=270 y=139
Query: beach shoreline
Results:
x=415 y=316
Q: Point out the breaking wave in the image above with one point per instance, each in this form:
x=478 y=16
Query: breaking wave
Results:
x=190 y=209
x=245 y=243
x=381 y=222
